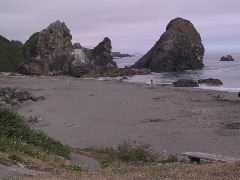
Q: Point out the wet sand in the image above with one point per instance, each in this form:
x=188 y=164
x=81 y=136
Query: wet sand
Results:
x=91 y=113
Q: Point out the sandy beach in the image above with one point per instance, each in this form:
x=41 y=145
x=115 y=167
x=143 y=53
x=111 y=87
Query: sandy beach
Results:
x=91 y=113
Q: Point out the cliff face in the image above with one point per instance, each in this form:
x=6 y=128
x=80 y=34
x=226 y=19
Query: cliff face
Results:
x=179 y=48
x=47 y=51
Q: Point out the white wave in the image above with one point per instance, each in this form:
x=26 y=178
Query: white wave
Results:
x=220 y=88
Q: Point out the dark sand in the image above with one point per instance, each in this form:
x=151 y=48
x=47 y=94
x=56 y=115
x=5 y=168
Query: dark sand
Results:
x=105 y=113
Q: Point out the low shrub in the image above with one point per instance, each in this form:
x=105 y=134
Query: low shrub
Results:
x=130 y=152
x=75 y=167
x=135 y=152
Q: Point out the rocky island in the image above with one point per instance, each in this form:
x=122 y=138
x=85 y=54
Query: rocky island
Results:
x=120 y=55
x=179 y=48
x=227 y=58
x=51 y=52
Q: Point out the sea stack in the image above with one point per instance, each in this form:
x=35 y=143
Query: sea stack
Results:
x=48 y=50
x=179 y=48
x=102 y=54
x=83 y=61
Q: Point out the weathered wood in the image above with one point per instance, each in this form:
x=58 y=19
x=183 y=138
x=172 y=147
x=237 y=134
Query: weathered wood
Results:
x=197 y=156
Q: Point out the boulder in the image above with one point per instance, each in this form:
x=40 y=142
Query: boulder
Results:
x=48 y=50
x=210 y=81
x=77 y=46
x=12 y=97
x=227 y=58
x=179 y=48
x=185 y=83
x=78 y=64
x=34 y=67
x=39 y=98
x=21 y=95
x=123 y=78
x=102 y=54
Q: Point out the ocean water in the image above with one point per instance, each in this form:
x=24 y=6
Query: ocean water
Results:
x=227 y=72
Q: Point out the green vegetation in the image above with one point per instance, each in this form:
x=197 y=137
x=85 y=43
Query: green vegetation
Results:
x=16 y=158
x=11 y=54
x=128 y=153
x=16 y=136
x=75 y=167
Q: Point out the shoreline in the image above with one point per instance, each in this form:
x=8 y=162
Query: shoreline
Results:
x=105 y=113
x=201 y=86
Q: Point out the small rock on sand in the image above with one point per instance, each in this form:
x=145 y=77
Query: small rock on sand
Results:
x=185 y=83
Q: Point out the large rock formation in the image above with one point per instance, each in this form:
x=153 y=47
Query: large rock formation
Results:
x=179 y=48
x=51 y=52
x=102 y=54
x=92 y=63
x=78 y=63
x=47 y=51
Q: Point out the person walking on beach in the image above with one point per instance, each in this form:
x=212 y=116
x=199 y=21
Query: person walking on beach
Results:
x=239 y=94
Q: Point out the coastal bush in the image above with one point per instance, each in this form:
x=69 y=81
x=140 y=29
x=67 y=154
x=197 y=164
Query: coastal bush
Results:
x=15 y=134
x=135 y=152
x=11 y=54
x=129 y=152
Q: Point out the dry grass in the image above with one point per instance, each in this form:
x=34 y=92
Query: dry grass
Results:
x=166 y=171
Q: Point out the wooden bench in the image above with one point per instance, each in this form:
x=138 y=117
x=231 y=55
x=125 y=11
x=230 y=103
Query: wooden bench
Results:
x=196 y=157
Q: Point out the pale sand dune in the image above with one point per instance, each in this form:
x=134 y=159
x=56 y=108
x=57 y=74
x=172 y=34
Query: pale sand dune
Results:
x=105 y=113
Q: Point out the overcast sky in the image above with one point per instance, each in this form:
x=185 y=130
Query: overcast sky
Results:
x=132 y=25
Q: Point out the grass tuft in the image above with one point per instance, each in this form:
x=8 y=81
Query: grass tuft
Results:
x=134 y=152
x=16 y=158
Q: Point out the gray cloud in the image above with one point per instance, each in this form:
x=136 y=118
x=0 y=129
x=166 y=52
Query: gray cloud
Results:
x=133 y=26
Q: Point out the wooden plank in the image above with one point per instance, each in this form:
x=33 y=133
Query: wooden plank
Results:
x=210 y=157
